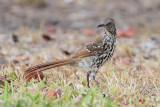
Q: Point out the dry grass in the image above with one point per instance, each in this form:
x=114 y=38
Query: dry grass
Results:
x=127 y=80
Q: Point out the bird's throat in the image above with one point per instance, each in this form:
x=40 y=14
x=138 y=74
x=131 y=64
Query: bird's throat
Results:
x=107 y=32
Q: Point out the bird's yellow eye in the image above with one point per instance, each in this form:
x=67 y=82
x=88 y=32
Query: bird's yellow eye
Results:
x=109 y=24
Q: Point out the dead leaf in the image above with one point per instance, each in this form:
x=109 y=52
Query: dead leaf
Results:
x=129 y=32
x=3 y=79
x=8 y=79
x=142 y=100
x=15 y=61
x=47 y=37
x=15 y=38
x=87 y=32
x=78 y=98
x=66 y=52
x=52 y=92
x=84 y=83
x=1 y=101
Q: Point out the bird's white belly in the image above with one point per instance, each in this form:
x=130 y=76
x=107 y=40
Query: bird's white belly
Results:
x=87 y=63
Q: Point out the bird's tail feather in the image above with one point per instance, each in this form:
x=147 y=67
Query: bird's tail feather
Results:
x=32 y=71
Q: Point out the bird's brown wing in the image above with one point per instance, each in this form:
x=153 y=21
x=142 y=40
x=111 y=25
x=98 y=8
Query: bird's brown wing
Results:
x=88 y=50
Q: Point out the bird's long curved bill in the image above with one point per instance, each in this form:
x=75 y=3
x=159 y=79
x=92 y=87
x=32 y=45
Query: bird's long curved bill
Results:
x=100 y=25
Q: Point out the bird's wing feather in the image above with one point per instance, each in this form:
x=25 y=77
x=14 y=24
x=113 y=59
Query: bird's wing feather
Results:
x=91 y=49
x=83 y=52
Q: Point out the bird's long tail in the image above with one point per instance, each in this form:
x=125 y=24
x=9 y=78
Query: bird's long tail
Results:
x=32 y=71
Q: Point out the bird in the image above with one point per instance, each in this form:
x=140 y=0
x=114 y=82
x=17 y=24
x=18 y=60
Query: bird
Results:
x=90 y=57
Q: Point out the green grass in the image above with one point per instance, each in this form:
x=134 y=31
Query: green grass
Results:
x=36 y=98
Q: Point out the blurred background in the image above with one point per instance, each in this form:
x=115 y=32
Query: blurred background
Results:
x=77 y=14
x=33 y=27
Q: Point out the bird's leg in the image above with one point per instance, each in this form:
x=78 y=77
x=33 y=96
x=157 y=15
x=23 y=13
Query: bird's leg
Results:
x=88 y=75
x=94 y=79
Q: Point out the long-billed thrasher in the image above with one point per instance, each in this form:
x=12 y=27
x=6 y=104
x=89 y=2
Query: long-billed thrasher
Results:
x=90 y=57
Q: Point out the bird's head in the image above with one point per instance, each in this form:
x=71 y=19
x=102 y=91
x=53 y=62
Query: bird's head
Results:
x=108 y=25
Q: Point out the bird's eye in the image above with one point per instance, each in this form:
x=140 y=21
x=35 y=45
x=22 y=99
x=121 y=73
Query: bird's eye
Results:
x=109 y=24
